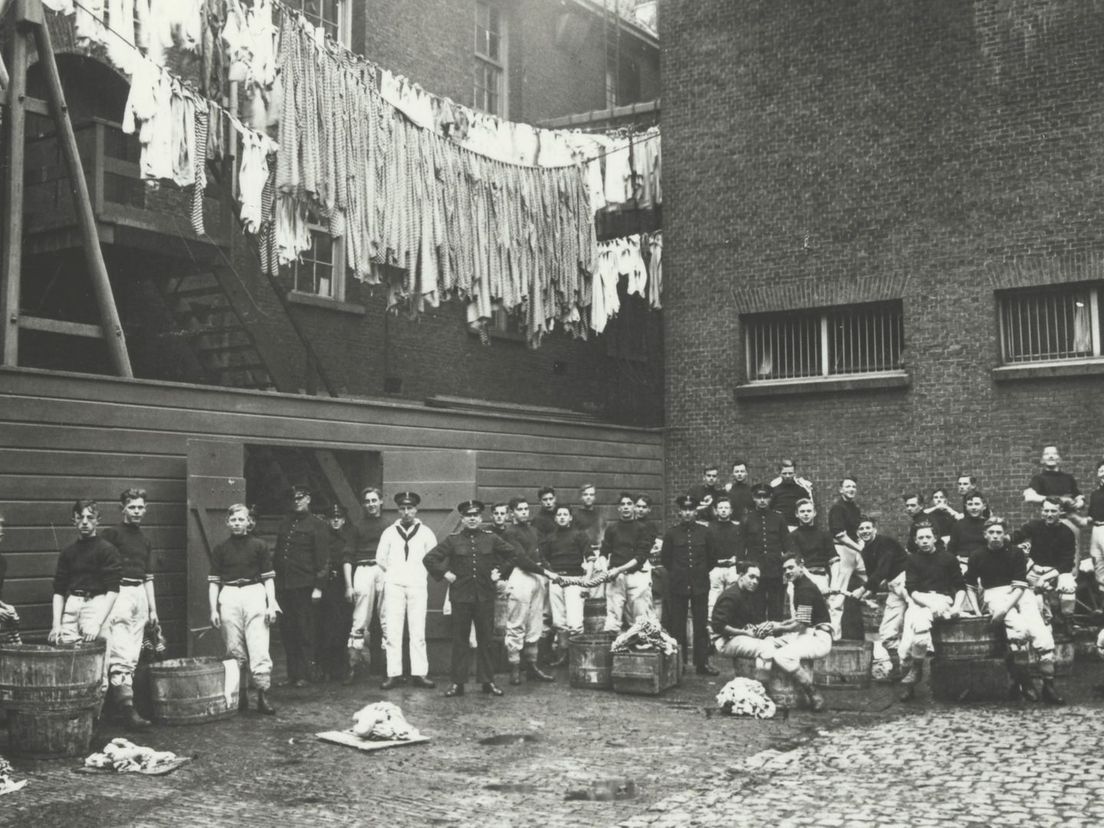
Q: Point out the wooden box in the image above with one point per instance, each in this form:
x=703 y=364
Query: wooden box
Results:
x=645 y=674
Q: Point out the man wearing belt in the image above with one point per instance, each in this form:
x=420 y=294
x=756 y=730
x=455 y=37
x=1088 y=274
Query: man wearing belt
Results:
x=1001 y=571
x=807 y=631
x=364 y=579
x=933 y=588
x=242 y=600
x=402 y=550
x=688 y=555
x=885 y=561
x=767 y=538
x=564 y=552
x=728 y=543
x=302 y=568
x=786 y=490
x=86 y=582
x=843 y=525
x=1052 y=568
x=471 y=560
x=335 y=610
x=135 y=607
x=525 y=607
x=813 y=544
x=739 y=620
x=626 y=546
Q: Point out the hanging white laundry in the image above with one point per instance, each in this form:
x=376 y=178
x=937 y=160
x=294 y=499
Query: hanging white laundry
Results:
x=631 y=265
x=59 y=6
x=150 y=104
x=252 y=175
x=89 y=22
x=618 y=171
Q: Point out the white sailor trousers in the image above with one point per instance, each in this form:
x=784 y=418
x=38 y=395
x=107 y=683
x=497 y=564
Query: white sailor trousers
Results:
x=126 y=629
x=1024 y=623
x=916 y=639
x=405 y=605
x=630 y=591
x=242 y=612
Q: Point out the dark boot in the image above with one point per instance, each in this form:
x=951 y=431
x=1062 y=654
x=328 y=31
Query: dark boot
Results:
x=515 y=674
x=894 y=675
x=805 y=682
x=911 y=679
x=131 y=718
x=262 y=704
x=1050 y=694
x=561 y=650
x=536 y=672
x=1019 y=670
x=351 y=657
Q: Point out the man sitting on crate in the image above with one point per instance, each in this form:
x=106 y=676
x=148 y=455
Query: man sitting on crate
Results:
x=807 y=631
x=1052 y=570
x=1001 y=571
x=885 y=562
x=934 y=589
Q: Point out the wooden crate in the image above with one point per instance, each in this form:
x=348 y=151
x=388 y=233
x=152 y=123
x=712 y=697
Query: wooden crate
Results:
x=645 y=674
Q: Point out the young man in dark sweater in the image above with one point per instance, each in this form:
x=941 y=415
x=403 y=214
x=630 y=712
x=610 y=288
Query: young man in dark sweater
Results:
x=625 y=548
x=364 y=579
x=728 y=542
x=86 y=582
x=564 y=552
x=1053 y=566
x=885 y=562
x=815 y=546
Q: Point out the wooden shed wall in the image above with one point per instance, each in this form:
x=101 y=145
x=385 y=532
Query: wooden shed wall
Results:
x=66 y=436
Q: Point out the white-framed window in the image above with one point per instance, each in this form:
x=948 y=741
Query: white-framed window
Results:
x=866 y=338
x=490 y=59
x=334 y=16
x=1050 y=324
x=320 y=270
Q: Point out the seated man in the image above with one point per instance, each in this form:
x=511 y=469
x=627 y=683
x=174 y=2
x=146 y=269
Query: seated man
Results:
x=728 y=543
x=933 y=588
x=807 y=631
x=1001 y=571
x=885 y=562
x=739 y=620
x=1052 y=570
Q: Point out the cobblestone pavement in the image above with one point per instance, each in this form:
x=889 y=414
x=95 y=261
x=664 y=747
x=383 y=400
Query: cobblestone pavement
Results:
x=686 y=764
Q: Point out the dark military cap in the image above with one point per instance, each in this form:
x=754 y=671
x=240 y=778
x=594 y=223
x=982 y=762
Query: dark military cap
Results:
x=407 y=499
x=300 y=489
x=686 y=502
x=761 y=489
x=470 y=507
x=337 y=511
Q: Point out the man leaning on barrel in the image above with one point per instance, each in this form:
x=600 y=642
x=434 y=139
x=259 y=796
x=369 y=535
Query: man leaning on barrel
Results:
x=933 y=589
x=1001 y=571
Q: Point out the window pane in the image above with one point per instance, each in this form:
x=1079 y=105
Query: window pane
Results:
x=1047 y=325
x=783 y=346
x=865 y=338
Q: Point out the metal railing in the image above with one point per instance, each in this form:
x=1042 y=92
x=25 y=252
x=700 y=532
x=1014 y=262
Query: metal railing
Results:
x=1048 y=325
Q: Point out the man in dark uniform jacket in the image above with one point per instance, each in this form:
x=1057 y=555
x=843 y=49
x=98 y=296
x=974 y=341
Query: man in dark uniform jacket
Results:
x=786 y=490
x=302 y=564
x=363 y=579
x=688 y=554
x=335 y=612
x=1001 y=571
x=767 y=537
x=471 y=560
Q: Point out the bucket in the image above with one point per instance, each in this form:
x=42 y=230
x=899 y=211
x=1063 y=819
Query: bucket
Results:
x=51 y=695
x=590 y=661
x=502 y=612
x=967 y=639
x=594 y=615
x=783 y=690
x=190 y=691
x=847 y=666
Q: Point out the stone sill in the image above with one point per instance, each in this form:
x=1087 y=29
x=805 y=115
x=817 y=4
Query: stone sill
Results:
x=297 y=298
x=823 y=385
x=1049 y=370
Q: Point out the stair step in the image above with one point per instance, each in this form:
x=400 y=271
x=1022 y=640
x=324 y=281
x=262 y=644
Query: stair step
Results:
x=225 y=349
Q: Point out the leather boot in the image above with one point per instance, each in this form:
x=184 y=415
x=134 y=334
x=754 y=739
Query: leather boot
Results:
x=262 y=704
x=131 y=717
x=1021 y=677
x=1050 y=694
x=515 y=674
x=561 y=650
x=352 y=656
x=536 y=672
x=894 y=675
x=805 y=682
x=911 y=679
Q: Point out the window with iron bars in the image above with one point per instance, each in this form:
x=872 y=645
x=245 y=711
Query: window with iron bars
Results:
x=855 y=339
x=490 y=59
x=332 y=15
x=1050 y=324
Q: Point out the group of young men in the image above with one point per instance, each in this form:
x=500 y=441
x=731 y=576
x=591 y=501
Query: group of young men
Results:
x=749 y=564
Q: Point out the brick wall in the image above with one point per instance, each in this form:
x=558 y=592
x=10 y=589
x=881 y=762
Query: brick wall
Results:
x=818 y=154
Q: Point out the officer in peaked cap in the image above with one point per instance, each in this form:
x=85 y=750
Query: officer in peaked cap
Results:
x=767 y=536
x=471 y=560
x=335 y=614
x=689 y=554
x=686 y=502
x=302 y=570
x=408 y=499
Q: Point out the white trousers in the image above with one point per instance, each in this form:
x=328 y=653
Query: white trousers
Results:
x=126 y=629
x=629 y=592
x=367 y=598
x=525 y=615
x=81 y=617
x=746 y=646
x=1096 y=550
x=848 y=563
x=567 y=608
x=793 y=648
x=405 y=604
x=916 y=639
x=893 y=622
x=245 y=630
x=1024 y=623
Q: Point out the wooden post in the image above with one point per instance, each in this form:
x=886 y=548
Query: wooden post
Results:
x=93 y=255
x=13 y=202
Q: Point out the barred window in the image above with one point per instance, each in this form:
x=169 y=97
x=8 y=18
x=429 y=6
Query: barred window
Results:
x=490 y=59
x=855 y=339
x=1049 y=324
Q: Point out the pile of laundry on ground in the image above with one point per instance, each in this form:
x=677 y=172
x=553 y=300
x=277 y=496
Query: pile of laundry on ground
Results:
x=746 y=697
x=124 y=756
x=645 y=637
x=384 y=721
x=7 y=780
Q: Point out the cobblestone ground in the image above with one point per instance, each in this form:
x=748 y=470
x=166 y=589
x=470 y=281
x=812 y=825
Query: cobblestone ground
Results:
x=867 y=761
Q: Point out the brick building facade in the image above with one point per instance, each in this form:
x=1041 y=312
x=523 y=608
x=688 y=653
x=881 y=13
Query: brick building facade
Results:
x=862 y=199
